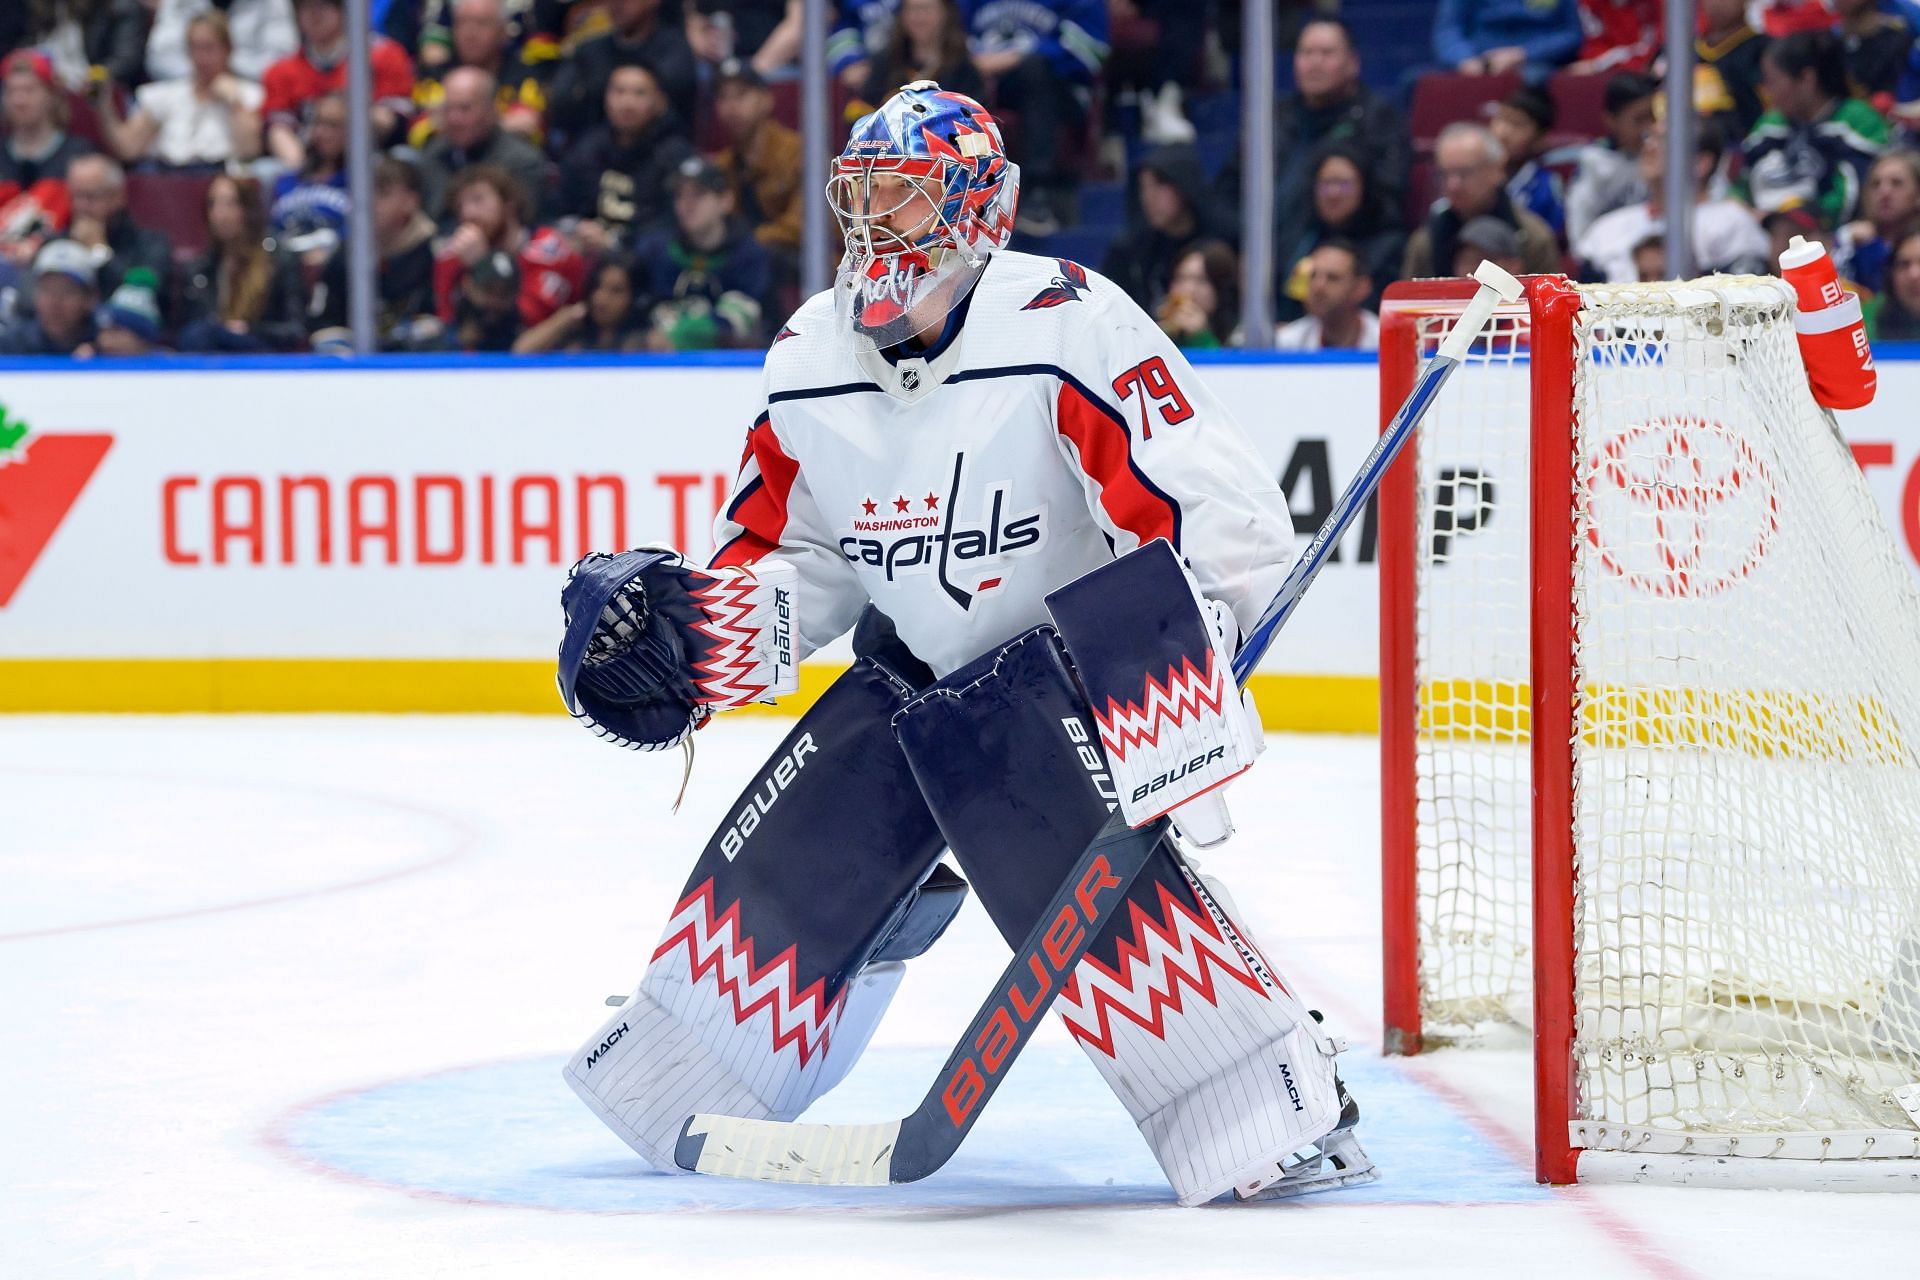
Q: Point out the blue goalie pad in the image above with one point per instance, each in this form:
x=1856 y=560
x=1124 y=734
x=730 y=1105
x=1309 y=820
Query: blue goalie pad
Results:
x=783 y=949
x=1006 y=754
x=824 y=850
x=1218 y=1063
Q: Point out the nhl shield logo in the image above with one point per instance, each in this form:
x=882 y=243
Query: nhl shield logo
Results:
x=910 y=379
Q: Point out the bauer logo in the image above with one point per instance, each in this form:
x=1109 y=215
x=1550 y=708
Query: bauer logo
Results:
x=765 y=794
x=1014 y=1010
x=1091 y=761
x=903 y=534
x=41 y=477
x=1179 y=771
x=783 y=626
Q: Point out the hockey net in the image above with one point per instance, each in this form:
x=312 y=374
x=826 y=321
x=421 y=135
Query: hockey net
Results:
x=1664 y=811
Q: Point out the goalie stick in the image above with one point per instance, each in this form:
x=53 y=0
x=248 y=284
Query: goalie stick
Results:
x=909 y=1149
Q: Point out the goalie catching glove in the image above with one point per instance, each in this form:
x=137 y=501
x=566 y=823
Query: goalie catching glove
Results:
x=653 y=647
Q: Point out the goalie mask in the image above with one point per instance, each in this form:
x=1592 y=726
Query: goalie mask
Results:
x=924 y=193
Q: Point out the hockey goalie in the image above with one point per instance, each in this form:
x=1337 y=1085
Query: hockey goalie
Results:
x=1003 y=478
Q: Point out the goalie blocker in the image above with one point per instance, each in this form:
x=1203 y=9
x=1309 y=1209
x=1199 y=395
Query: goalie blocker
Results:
x=1156 y=660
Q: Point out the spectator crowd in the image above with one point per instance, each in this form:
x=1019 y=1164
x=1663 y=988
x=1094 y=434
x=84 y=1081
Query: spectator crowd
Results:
x=624 y=175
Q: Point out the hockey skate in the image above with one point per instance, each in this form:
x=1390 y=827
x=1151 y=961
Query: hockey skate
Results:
x=1336 y=1161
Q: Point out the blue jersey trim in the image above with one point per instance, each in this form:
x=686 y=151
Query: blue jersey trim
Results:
x=815 y=393
x=747 y=490
x=1007 y=371
x=1118 y=419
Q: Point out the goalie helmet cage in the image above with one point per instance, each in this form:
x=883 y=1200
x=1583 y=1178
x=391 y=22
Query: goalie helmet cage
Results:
x=1650 y=709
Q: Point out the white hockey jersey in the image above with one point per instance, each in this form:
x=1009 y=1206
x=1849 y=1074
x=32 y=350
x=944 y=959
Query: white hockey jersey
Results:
x=1056 y=428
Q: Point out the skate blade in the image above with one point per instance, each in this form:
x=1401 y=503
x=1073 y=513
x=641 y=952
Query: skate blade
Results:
x=1342 y=1162
x=1287 y=1188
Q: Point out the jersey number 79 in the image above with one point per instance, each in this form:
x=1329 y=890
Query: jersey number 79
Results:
x=1154 y=383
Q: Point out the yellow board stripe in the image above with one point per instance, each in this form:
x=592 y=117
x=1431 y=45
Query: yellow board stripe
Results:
x=1295 y=703
x=1768 y=723
x=275 y=684
x=1476 y=710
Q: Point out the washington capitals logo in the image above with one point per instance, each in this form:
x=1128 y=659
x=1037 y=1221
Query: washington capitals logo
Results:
x=1069 y=286
x=926 y=535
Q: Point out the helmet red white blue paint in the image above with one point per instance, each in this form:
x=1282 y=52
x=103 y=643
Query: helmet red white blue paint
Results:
x=925 y=152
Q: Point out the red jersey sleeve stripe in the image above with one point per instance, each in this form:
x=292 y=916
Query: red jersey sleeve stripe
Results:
x=759 y=506
x=740 y=552
x=1099 y=435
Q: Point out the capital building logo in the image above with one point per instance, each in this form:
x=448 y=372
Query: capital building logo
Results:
x=41 y=477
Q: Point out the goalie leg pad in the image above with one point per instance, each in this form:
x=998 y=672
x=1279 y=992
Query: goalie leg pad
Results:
x=1222 y=1068
x=922 y=916
x=786 y=943
x=652 y=1064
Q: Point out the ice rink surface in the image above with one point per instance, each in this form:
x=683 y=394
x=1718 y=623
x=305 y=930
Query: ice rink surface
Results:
x=289 y=997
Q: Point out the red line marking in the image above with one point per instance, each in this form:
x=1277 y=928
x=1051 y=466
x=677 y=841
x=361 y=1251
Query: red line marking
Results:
x=1627 y=1237
x=465 y=840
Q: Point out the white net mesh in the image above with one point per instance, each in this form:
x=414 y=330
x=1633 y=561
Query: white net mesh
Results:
x=1746 y=770
x=1473 y=774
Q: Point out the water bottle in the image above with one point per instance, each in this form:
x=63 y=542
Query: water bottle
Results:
x=1831 y=331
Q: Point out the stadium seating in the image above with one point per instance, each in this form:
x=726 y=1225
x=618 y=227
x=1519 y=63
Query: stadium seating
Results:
x=1442 y=98
x=1579 y=104
x=174 y=204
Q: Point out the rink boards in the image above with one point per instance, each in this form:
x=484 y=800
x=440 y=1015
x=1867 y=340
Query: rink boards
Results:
x=291 y=535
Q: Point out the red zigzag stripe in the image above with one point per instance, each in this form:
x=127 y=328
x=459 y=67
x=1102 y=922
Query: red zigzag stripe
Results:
x=1197 y=975
x=1188 y=691
x=726 y=675
x=791 y=1019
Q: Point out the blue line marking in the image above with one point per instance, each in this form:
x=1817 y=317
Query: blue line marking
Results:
x=513 y=1133
x=444 y=362
x=1883 y=352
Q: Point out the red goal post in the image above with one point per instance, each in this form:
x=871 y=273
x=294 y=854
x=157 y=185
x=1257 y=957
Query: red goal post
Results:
x=1581 y=689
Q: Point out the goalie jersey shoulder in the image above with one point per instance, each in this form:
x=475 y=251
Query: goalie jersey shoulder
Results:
x=1026 y=310
x=1035 y=310
x=1034 y=283
x=808 y=354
